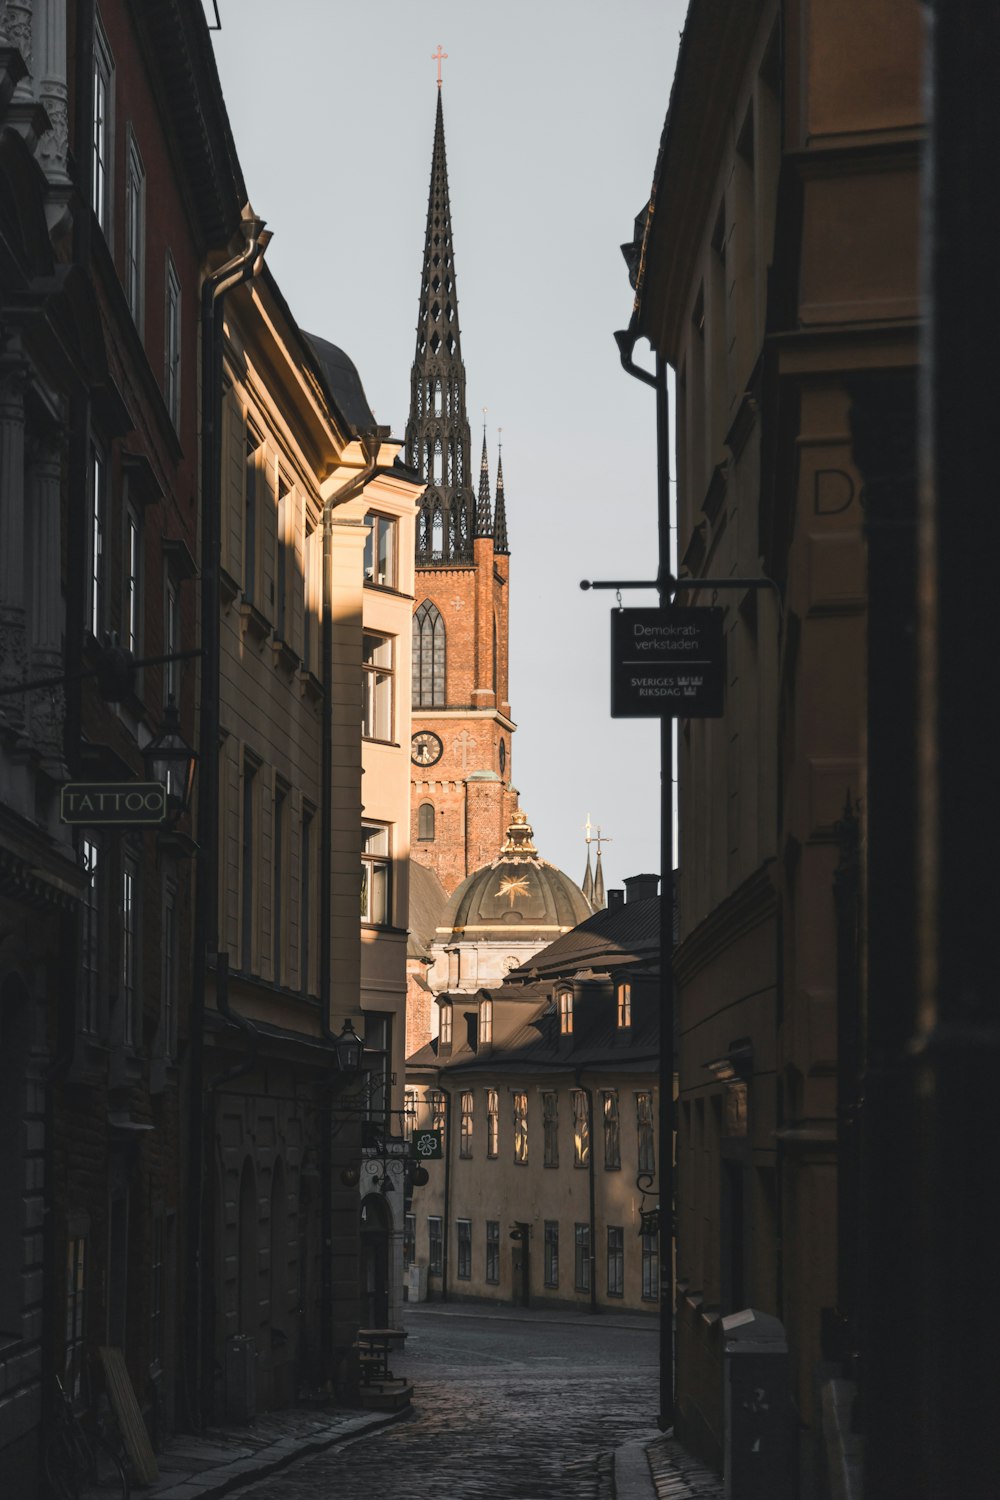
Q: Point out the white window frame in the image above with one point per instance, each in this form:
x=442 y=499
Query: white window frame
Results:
x=102 y=129
x=378 y=671
x=97 y=542
x=376 y=912
x=135 y=230
x=172 y=340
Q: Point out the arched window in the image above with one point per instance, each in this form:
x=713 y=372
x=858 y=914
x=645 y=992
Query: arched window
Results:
x=428 y=657
x=425 y=821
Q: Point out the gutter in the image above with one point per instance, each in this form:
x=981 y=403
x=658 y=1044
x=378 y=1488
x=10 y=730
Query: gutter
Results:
x=240 y=269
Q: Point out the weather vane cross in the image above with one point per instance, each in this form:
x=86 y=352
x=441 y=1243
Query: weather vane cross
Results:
x=439 y=58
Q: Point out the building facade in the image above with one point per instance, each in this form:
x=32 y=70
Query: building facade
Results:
x=543 y=1089
x=776 y=273
x=462 y=794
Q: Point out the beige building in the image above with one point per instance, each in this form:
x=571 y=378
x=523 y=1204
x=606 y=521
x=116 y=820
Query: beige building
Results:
x=311 y=702
x=543 y=1087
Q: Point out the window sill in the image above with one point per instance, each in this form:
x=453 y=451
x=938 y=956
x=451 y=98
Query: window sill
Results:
x=228 y=587
x=310 y=685
x=370 y=739
x=254 y=623
x=284 y=656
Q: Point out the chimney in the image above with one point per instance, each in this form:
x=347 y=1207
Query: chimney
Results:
x=616 y=898
x=641 y=887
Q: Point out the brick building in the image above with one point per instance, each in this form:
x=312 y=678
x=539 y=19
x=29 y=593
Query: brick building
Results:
x=462 y=794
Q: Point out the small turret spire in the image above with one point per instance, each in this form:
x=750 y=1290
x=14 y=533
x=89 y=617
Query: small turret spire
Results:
x=484 y=508
x=500 y=514
x=599 y=900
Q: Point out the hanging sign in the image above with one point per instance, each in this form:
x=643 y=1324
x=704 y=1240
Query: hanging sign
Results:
x=96 y=803
x=667 y=663
x=427 y=1145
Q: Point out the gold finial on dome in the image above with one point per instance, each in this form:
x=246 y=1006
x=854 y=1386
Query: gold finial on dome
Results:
x=519 y=838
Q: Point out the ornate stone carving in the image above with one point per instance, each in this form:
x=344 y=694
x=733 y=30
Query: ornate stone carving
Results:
x=55 y=142
x=15 y=27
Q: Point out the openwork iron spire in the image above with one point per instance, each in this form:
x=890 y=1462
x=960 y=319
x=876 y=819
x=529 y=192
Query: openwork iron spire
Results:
x=437 y=433
x=484 y=510
x=500 y=514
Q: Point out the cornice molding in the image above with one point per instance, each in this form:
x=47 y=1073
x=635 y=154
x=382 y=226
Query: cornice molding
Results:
x=744 y=909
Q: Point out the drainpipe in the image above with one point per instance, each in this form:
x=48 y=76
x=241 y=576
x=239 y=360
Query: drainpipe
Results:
x=370 y=442
x=626 y=340
x=242 y=268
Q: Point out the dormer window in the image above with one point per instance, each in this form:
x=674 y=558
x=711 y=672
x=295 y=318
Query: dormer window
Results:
x=486 y=1022
x=624 y=1004
x=566 y=1012
x=446 y=1026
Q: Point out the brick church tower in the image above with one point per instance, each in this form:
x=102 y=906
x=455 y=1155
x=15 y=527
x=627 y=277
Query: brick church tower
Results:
x=462 y=798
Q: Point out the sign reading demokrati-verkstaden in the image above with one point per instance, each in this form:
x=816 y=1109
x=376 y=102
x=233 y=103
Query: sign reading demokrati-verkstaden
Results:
x=667 y=663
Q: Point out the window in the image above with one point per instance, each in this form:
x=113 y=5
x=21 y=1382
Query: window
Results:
x=437 y=1104
x=135 y=229
x=380 y=551
x=171 y=640
x=409 y=1113
x=377 y=1062
x=376 y=660
x=133 y=583
x=644 y=1127
x=550 y=1129
x=493 y=1251
x=566 y=1012
x=98 y=520
x=624 y=1004
x=486 y=1022
x=650 y=1268
x=90 y=958
x=251 y=472
x=102 y=137
x=286 y=513
x=246 y=867
x=582 y=1257
x=464 y=1227
x=551 y=1252
x=428 y=657
x=612 y=1131
x=169 y=974
x=172 y=343
x=409 y=1239
x=465 y=1125
x=492 y=1123
x=520 y=1102
x=581 y=1129
x=425 y=821
x=277 y=883
x=434 y=1246
x=375 y=873
x=130 y=955
x=76 y=1290
x=446 y=1021
x=616 y=1261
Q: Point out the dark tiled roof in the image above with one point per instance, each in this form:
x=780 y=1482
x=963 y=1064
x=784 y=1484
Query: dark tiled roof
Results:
x=617 y=935
x=428 y=899
x=345 y=384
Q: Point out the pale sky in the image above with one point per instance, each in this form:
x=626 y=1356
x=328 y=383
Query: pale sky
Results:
x=553 y=111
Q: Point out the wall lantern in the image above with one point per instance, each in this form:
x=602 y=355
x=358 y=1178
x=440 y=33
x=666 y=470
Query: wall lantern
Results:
x=170 y=759
x=350 y=1051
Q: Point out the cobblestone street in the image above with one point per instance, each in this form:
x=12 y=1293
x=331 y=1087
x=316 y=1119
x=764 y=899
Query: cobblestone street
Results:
x=530 y=1410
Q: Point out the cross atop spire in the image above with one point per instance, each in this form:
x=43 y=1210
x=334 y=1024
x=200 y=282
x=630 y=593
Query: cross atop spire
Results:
x=439 y=58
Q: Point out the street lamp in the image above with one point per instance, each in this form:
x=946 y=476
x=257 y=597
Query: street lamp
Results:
x=171 y=760
x=349 y=1049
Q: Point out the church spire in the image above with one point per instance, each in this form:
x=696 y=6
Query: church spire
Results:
x=484 y=509
x=437 y=432
x=500 y=514
x=599 y=900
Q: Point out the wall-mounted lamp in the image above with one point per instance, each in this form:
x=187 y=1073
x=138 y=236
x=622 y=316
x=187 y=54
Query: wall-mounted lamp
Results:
x=171 y=760
x=350 y=1051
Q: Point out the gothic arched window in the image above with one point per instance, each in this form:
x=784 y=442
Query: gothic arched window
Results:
x=425 y=821
x=428 y=660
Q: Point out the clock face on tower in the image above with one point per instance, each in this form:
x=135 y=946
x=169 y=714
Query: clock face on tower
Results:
x=425 y=748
